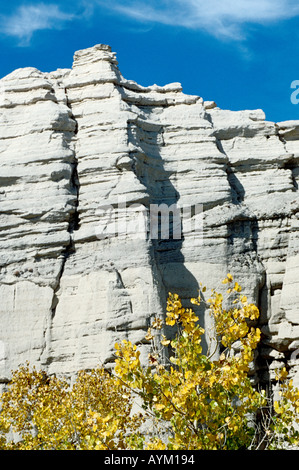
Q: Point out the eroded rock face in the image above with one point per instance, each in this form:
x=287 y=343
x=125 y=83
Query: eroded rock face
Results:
x=82 y=148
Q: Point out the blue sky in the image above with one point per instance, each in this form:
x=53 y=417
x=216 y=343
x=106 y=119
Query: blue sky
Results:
x=243 y=54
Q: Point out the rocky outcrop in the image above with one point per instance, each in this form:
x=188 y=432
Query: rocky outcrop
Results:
x=84 y=155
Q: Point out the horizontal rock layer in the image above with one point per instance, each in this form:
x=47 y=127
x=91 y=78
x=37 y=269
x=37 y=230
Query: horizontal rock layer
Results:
x=84 y=155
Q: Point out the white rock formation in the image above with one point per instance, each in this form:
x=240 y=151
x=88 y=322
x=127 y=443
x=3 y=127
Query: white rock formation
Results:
x=78 y=148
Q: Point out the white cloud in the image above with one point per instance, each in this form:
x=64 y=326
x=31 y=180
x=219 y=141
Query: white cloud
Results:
x=222 y=18
x=28 y=19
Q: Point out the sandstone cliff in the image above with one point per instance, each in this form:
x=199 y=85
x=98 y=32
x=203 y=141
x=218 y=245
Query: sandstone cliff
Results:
x=77 y=145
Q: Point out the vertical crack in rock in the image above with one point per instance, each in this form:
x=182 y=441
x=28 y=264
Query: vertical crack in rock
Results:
x=74 y=221
x=73 y=225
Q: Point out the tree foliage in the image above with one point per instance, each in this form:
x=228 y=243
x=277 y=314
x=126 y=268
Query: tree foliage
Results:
x=47 y=413
x=183 y=399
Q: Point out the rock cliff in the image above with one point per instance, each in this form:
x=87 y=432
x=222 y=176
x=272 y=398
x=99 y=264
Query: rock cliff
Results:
x=82 y=149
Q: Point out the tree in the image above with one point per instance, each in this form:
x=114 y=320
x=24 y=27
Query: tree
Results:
x=48 y=413
x=189 y=399
x=202 y=401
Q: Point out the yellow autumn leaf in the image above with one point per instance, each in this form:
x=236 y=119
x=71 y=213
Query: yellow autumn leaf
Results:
x=157 y=323
x=159 y=406
x=278 y=409
x=237 y=287
x=149 y=335
x=165 y=341
x=282 y=374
